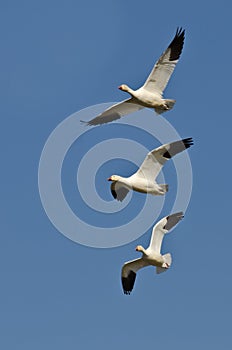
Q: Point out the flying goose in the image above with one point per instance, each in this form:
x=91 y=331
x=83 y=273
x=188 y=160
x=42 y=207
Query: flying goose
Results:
x=151 y=93
x=151 y=255
x=143 y=179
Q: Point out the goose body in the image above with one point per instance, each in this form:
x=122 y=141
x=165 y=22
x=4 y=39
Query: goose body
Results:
x=137 y=183
x=149 y=95
x=144 y=97
x=152 y=255
x=144 y=179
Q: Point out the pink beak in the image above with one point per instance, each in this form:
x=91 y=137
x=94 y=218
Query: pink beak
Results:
x=109 y=179
x=120 y=87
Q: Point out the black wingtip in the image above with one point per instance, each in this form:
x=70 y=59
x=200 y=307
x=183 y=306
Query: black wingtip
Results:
x=126 y=292
x=173 y=219
x=188 y=142
x=114 y=194
x=177 y=44
x=180 y=31
x=128 y=282
x=177 y=147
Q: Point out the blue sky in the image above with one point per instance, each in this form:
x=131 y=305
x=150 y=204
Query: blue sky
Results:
x=58 y=57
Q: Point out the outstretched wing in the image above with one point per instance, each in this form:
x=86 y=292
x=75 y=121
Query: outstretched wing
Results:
x=164 y=67
x=115 y=112
x=161 y=228
x=118 y=191
x=155 y=159
x=128 y=274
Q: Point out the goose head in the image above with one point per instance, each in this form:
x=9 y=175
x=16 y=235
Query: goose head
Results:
x=114 y=178
x=124 y=87
x=139 y=248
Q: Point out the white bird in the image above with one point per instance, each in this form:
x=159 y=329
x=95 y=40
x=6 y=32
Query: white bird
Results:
x=144 y=179
x=151 y=93
x=151 y=255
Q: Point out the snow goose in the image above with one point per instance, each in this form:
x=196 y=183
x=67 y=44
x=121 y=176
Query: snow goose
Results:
x=143 y=180
x=151 y=93
x=151 y=255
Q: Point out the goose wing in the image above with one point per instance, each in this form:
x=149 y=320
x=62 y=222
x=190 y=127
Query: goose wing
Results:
x=128 y=274
x=164 y=67
x=161 y=228
x=155 y=159
x=118 y=191
x=116 y=112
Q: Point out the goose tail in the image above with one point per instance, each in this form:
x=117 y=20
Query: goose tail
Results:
x=168 y=104
x=167 y=263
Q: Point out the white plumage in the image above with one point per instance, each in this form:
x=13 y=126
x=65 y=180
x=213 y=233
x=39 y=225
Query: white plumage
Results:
x=151 y=93
x=152 y=255
x=144 y=179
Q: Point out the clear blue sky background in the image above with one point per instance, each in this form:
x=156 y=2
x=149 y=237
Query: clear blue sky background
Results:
x=58 y=57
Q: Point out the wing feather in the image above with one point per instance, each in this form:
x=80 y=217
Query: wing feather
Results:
x=128 y=274
x=161 y=228
x=156 y=158
x=115 y=112
x=164 y=67
x=118 y=191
